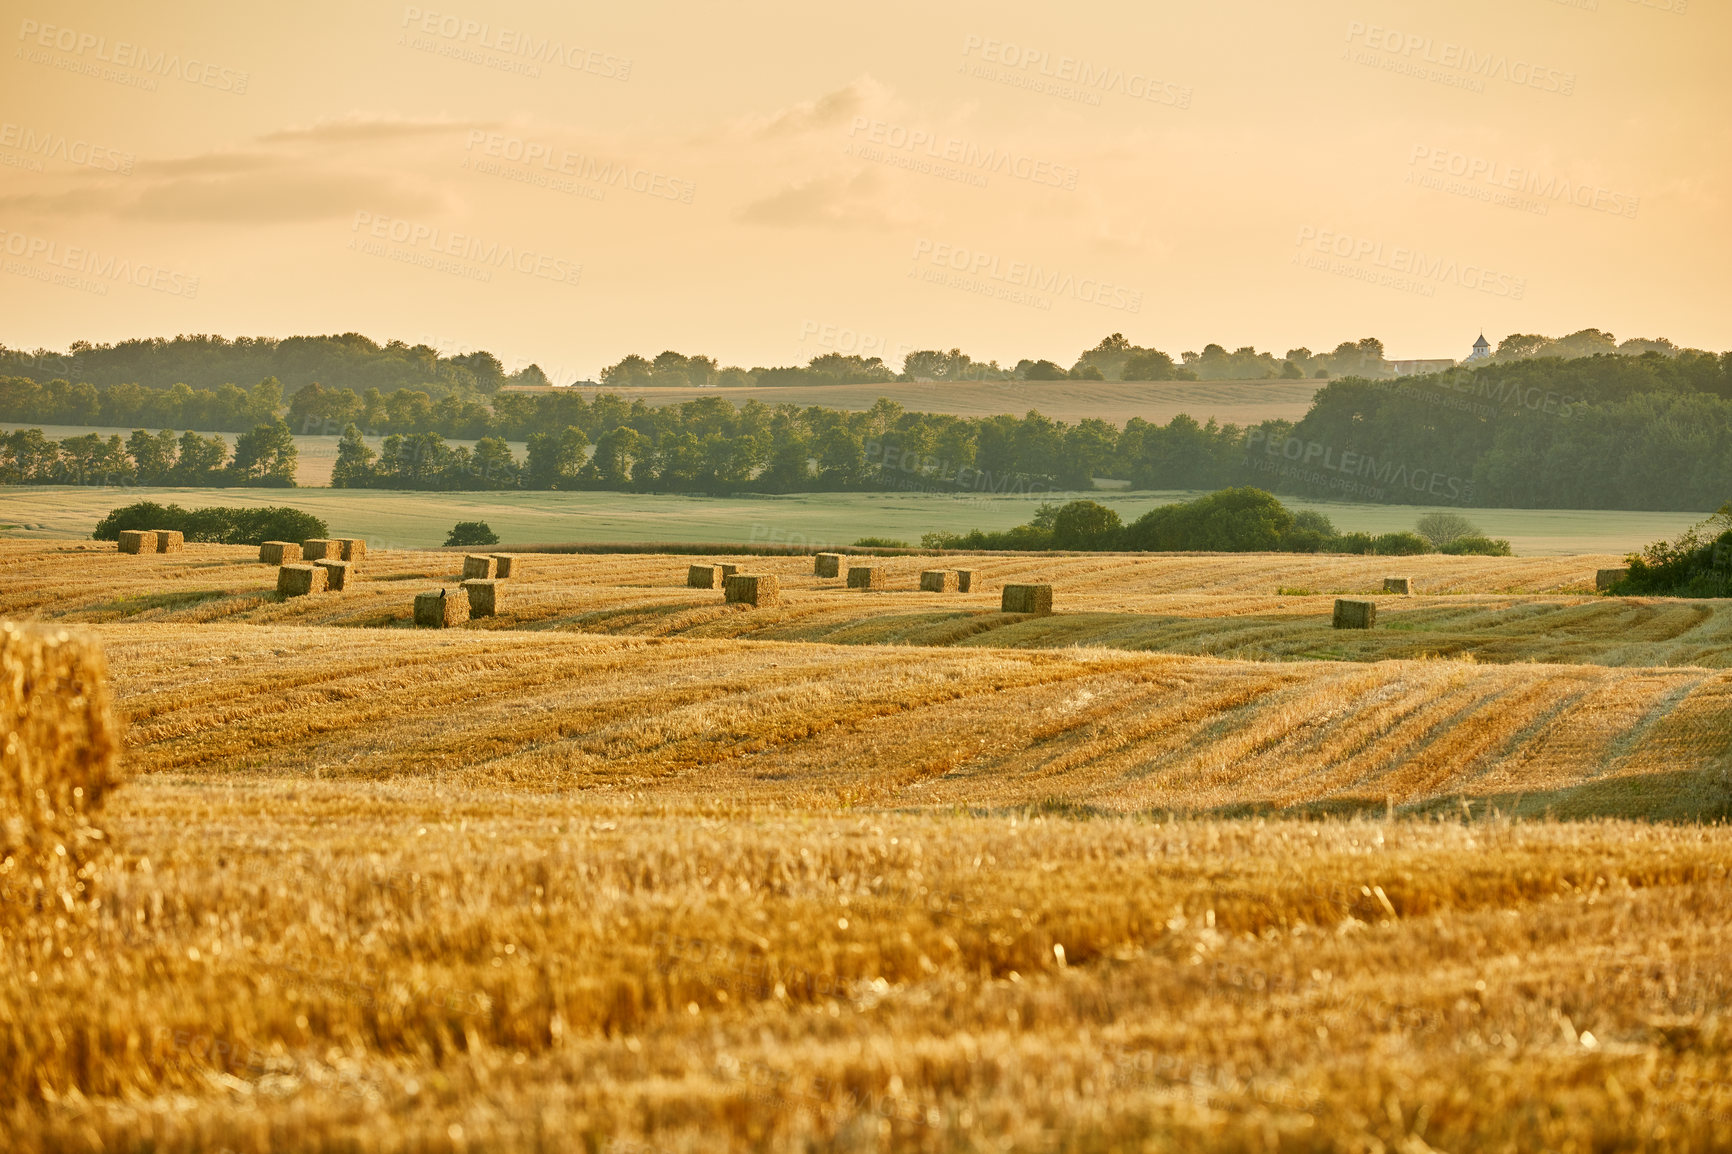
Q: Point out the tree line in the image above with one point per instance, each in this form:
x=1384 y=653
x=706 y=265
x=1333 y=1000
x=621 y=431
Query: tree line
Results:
x=209 y=362
x=1609 y=431
x=1237 y=520
x=264 y=455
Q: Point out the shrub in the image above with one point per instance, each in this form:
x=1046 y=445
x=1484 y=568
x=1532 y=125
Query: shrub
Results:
x=1351 y=543
x=1696 y=563
x=1442 y=528
x=880 y=543
x=1311 y=532
x=466 y=533
x=1477 y=546
x=1086 y=525
x=214 y=525
x=1241 y=520
x=1402 y=544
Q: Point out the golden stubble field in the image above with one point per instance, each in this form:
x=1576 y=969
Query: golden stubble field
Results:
x=579 y=880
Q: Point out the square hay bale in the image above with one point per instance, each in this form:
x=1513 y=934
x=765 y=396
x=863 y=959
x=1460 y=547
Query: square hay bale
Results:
x=60 y=756
x=1355 y=614
x=704 y=577
x=435 y=610
x=752 y=589
x=138 y=540
x=300 y=580
x=354 y=549
x=728 y=570
x=1604 y=579
x=336 y=574
x=279 y=553
x=477 y=566
x=170 y=541
x=506 y=564
x=867 y=577
x=964 y=580
x=939 y=581
x=1401 y=585
x=485 y=594
x=1026 y=599
x=827 y=565
x=320 y=548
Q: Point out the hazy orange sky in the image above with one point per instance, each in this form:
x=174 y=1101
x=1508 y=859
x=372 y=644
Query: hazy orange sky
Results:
x=765 y=182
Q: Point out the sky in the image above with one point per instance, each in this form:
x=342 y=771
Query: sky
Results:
x=768 y=182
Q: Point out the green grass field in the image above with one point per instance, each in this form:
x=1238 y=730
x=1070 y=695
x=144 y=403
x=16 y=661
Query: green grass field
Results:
x=815 y=520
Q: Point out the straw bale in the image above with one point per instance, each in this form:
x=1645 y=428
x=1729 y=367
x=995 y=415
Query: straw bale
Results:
x=752 y=589
x=436 y=610
x=300 y=580
x=1355 y=614
x=485 y=594
x=279 y=552
x=59 y=758
x=1027 y=599
x=867 y=577
x=336 y=574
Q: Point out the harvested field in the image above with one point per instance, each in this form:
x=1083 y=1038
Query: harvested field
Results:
x=686 y=895
x=1493 y=609
x=580 y=866
x=1116 y=732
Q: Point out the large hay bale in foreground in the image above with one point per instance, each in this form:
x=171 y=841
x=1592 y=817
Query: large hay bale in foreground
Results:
x=320 y=548
x=170 y=541
x=507 y=565
x=354 y=549
x=964 y=580
x=435 y=610
x=484 y=595
x=300 y=580
x=1604 y=579
x=704 y=577
x=867 y=577
x=1026 y=599
x=477 y=566
x=1401 y=585
x=279 y=552
x=939 y=581
x=1355 y=614
x=827 y=565
x=59 y=757
x=137 y=541
x=752 y=589
x=336 y=574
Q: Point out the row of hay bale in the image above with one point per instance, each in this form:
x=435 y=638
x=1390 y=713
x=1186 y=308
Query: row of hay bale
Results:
x=152 y=541
x=765 y=589
x=351 y=549
x=322 y=576
x=737 y=588
x=483 y=595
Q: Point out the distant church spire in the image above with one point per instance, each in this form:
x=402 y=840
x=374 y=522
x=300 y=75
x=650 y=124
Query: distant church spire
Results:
x=1481 y=349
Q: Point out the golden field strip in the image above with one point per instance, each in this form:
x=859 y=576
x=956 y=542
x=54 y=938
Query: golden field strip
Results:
x=1495 y=609
x=629 y=871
